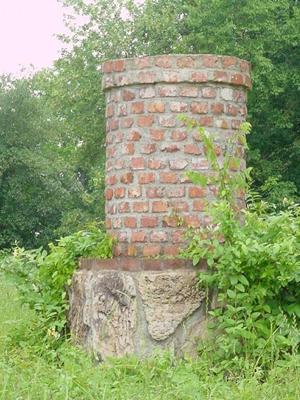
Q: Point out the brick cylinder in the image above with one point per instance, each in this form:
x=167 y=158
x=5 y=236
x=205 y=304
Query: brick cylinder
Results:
x=149 y=200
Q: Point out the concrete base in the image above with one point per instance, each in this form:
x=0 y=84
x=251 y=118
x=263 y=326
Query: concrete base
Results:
x=115 y=313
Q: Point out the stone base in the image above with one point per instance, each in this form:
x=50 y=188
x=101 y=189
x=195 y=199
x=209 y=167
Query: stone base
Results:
x=115 y=313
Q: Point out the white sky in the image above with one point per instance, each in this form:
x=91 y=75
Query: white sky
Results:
x=27 y=29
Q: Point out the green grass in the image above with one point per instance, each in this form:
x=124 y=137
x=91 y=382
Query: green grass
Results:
x=26 y=375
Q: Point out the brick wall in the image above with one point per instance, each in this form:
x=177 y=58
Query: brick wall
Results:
x=149 y=200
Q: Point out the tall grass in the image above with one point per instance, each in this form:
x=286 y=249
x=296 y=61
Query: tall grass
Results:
x=26 y=375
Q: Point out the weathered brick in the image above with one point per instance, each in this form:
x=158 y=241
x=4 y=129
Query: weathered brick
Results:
x=157 y=107
x=119 y=192
x=227 y=94
x=228 y=61
x=124 y=207
x=199 y=77
x=109 y=110
x=119 y=65
x=237 y=79
x=145 y=121
x=171 y=76
x=108 y=223
x=130 y=222
x=167 y=121
x=167 y=91
x=172 y=192
x=232 y=110
x=156 y=192
x=159 y=236
x=149 y=222
x=157 y=134
x=171 y=221
x=170 y=148
x=163 y=62
x=117 y=223
x=128 y=95
x=137 y=107
x=159 y=206
x=210 y=61
x=146 y=77
x=217 y=108
x=192 y=149
x=178 y=236
x=209 y=93
x=137 y=163
x=119 y=137
x=151 y=250
x=134 y=192
x=134 y=136
x=140 y=206
x=188 y=91
x=192 y=220
x=156 y=163
x=199 y=107
x=111 y=180
x=126 y=123
x=179 y=135
x=199 y=205
x=185 y=62
x=221 y=76
x=171 y=250
x=148 y=148
x=178 y=164
x=122 y=110
x=109 y=194
x=206 y=121
x=168 y=177
x=147 y=92
x=119 y=164
x=178 y=107
x=138 y=236
x=128 y=148
x=132 y=251
x=127 y=178
x=197 y=191
x=147 y=177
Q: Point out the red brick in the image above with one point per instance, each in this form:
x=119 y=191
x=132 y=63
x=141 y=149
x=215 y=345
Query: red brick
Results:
x=134 y=136
x=232 y=110
x=206 y=121
x=142 y=62
x=119 y=192
x=119 y=65
x=199 y=77
x=171 y=148
x=111 y=180
x=178 y=135
x=128 y=95
x=178 y=236
x=140 y=206
x=107 y=67
x=178 y=107
x=159 y=236
x=209 y=92
x=156 y=164
x=148 y=148
x=192 y=149
x=170 y=221
x=147 y=177
x=108 y=223
x=127 y=178
x=168 y=177
x=210 y=61
x=175 y=192
x=137 y=107
x=199 y=108
x=132 y=251
x=163 y=62
x=124 y=207
x=157 y=107
x=145 y=121
x=126 y=123
x=149 y=222
x=109 y=194
x=167 y=121
x=178 y=164
x=138 y=236
x=146 y=77
x=217 y=108
x=130 y=222
x=185 y=62
x=221 y=76
x=157 y=134
x=188 y=91
x=134 y=192
x=192 y=220
x=137 y=163
x=114 y=124
x=237 y=79
x=151 y=250
x=157 y=192
x=197 y=191
x=109 y=110
x=199 y=205
x=159 y=206
x=128 y=148
x=228 y=61
x=167 y=91
x=171 y=250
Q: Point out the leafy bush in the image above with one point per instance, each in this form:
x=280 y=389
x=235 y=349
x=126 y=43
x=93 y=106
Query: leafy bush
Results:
x=253 y=262
x=43 y=278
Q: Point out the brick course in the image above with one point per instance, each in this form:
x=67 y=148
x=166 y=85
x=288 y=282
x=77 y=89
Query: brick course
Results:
x=149 y=200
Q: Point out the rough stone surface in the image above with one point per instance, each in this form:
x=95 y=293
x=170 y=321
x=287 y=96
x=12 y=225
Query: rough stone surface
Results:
x=149 y=149
x=114 y=313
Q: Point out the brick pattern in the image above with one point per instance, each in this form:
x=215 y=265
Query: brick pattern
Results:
x=149 y=200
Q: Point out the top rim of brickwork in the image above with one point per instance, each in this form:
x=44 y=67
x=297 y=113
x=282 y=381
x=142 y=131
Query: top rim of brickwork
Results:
x=176 y=68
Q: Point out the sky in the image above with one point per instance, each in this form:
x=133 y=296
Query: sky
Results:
x=27 y=29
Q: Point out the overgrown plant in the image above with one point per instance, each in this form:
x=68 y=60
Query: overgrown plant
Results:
x=43 y=278
x=253 y=263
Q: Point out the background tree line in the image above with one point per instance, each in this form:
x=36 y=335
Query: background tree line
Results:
x=52 y=125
